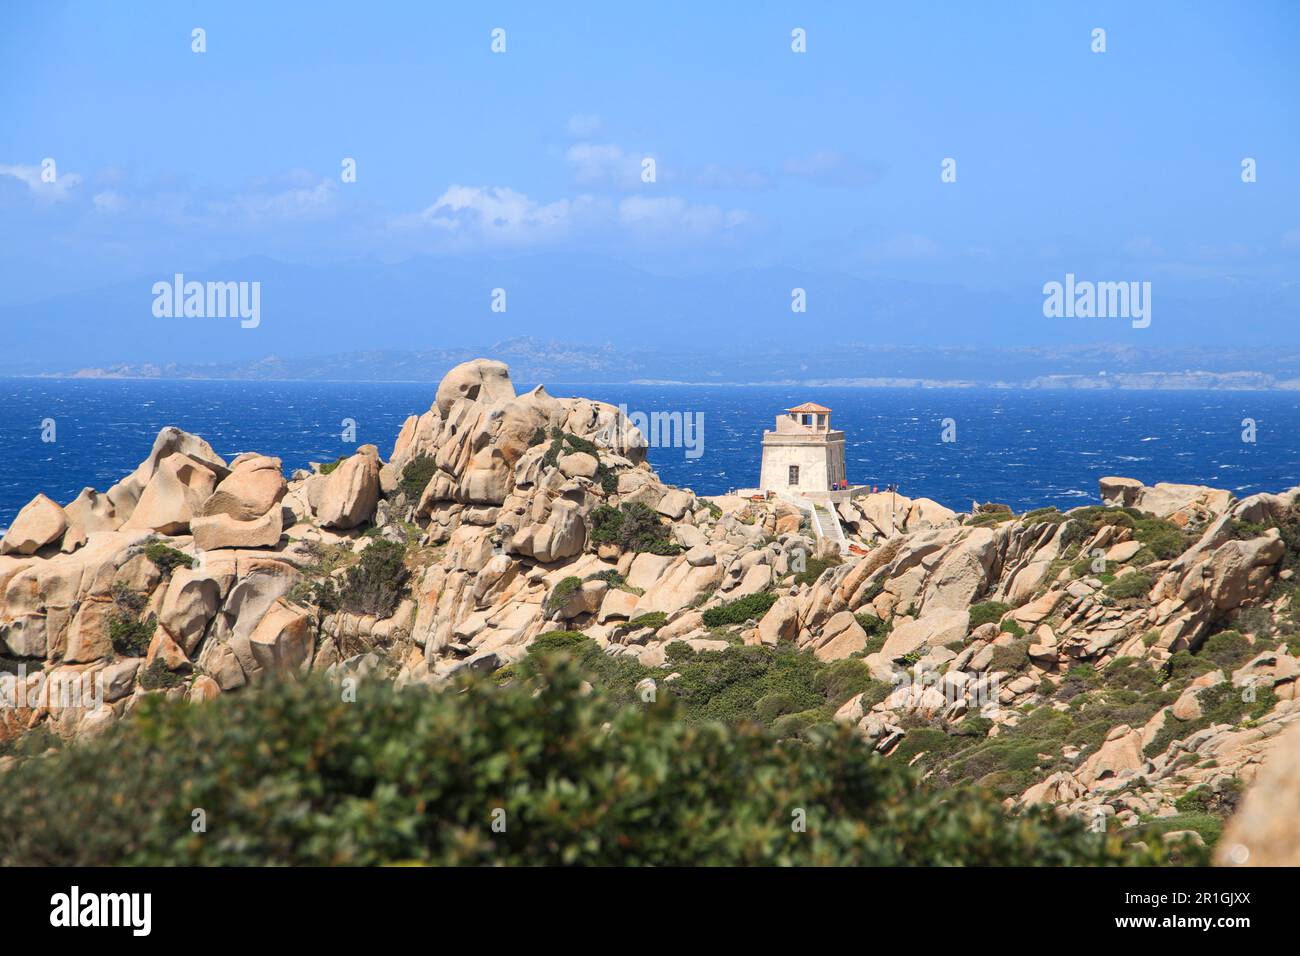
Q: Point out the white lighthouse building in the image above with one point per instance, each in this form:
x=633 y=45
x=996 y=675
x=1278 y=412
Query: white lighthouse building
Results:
x=802 y=455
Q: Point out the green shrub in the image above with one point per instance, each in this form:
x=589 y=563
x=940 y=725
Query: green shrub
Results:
x=128 y=632
x=563 y=641
x=774 y=705
x=157 y=676
x=653 y=620
x=329 y=467
x=675 y=652
x=987 y=612
x=295 y=775
x=1039 y=516
x=375 y=584
x=416 y=476
x=1010 y=657
x=1132 y=585
x=1245 y=530
x=1129 y=673
x=1012 y=627
x=1227 y=650
x=750 y=607
x=606 y=525
x=815 y=568
x=636 y=527
x=167 y=558
x=561 y=593
x=871 y=624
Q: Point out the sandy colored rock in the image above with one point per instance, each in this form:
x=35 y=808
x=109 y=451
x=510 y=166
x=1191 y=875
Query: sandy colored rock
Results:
x=282 y=642
x=479 y=380
x=41 y=522
x=935 y=629
x=1265 y=830
x=841 y=637
x=578 y=465
x=191 y=601
x=351 y=491
x=254 y=487
x=222 y=531
x=174 y=495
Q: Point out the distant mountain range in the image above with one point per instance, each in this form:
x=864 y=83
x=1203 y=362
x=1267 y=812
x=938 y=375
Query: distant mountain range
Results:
x=534 y=360
x=405 y=320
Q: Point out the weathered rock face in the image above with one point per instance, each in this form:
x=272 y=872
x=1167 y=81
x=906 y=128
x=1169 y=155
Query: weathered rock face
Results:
x=126 y=493
x=254 y=486
x=1166 y=500
x=89 y=514
x=480 y=380
x=351 y=491
x=176 y=491
x=41 y=522
x=1265 y=832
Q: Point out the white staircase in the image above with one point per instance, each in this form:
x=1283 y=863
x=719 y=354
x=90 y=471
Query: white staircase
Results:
x=825 y=522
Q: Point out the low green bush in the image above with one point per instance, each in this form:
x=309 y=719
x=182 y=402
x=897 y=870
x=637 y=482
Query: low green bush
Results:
x=750 y=607
x=167 y=558
x=295 y=775
x=634 y=527
x=374 y=585
x=1129 y=586
x=1228 y=650
x=157 y=676
x=815 y=568
x=129 y=632
x=416 y=476
x=987 y=612
x=561 y=593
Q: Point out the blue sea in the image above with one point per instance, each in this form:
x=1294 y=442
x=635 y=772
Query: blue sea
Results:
x=1024 y=448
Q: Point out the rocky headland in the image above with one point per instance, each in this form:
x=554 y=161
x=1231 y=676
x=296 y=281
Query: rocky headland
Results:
x=1129 y=663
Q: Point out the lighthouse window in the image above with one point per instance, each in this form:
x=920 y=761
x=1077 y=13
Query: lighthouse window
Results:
x=794 y=474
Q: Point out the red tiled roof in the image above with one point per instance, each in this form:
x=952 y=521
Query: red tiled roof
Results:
x=811 y=407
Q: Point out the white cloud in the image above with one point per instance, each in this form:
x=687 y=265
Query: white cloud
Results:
x=498 y=215
x=54 y=191
x=297 y=202
x=603 y=164
x=672 y=214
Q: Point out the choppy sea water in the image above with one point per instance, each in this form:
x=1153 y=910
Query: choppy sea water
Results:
x=1024 y=448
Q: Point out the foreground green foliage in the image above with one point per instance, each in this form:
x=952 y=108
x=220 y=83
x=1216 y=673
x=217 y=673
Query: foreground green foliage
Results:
x=295 y=775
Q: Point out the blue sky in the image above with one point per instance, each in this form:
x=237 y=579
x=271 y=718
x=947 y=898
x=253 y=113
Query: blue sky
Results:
x=1121 y=165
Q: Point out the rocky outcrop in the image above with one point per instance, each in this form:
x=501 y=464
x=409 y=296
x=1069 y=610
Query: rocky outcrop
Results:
x=513 y=515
